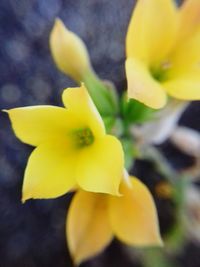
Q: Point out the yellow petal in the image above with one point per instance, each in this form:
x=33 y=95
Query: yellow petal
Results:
x=100 y=166
x=183 y=89
x=152 y=29
x=186 y=53
x=88 y=228
x=133 y=216
x=69 y=52
x=186 y=58
x=81 y=106
x=142 y=87
x=50 y=171
x=37 y=124
x=189 y=19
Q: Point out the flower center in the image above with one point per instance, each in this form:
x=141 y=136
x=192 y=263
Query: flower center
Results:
x=83 y=137
x=159 y=72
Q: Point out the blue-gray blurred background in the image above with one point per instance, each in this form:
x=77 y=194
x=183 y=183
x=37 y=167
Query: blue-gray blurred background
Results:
x=33 y=234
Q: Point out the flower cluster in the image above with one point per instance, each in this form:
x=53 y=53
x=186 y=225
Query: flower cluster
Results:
x=83 y=146
x=73 y=152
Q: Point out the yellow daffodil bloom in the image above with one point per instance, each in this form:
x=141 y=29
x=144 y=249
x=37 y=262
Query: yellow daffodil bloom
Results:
x=163 y=55
x=72 y=148
x=94 y=219
x=69 y=52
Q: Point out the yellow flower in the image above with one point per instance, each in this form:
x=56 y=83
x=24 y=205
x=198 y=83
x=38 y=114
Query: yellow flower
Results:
x=69 y=52
x=94 y=219
x=163 y=55
x=71 y=57
x=72 y=148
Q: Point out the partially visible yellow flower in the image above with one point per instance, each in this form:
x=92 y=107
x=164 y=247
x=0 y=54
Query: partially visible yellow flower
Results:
x=72 y=148
x=163 y=55
x=94 y=219
x=71 y=57
x=69 y=52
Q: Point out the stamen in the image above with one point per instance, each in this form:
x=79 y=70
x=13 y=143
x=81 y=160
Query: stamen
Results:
x=160 y=72
x=83 y=137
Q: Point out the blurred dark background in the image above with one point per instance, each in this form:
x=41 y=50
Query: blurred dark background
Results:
x=32 y=235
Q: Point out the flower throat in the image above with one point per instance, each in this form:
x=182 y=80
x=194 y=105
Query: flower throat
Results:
x=83 y=137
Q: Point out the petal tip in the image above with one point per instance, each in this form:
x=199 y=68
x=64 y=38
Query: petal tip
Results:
x=158 y=242
x=27 y=194
x=77 y=260
x=151 y=104
x=24 y=198
x=6 y=111
x=57 y=21
x=58 y=24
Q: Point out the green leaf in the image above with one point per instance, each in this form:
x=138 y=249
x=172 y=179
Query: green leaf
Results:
x=134 y=111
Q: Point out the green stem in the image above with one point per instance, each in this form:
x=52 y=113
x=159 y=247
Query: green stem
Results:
x=104 y=97
x=160 y=163
x=155 y=257
x=175 y=238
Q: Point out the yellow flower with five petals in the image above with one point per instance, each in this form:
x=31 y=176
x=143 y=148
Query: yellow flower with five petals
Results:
x=94 y=219
x=72 y=148
x=163 y=55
